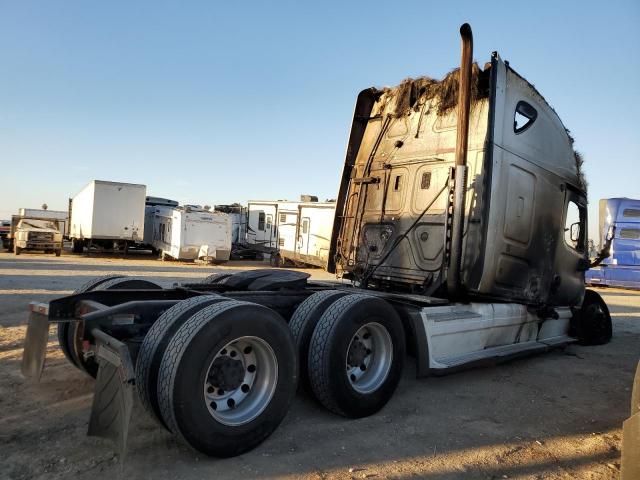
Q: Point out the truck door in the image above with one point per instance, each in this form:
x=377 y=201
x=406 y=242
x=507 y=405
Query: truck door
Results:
x=567 y=284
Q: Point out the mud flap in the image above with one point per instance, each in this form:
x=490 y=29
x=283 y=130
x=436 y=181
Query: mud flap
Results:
x=35 y=343
x=113 y=395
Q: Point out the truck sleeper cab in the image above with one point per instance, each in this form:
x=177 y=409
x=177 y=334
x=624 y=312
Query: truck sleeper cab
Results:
x=218 y=362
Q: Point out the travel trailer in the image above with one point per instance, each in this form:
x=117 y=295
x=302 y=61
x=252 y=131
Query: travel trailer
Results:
x=188 y=233
x=238 y=215
x=306 y=236
x=449 y=241
x=107 y=214
x=262 y=231
x=289 y=235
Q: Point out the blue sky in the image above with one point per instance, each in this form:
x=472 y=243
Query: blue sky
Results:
x=212 y=102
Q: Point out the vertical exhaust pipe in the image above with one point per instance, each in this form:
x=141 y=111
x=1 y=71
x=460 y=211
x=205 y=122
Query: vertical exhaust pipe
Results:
x=460 y=179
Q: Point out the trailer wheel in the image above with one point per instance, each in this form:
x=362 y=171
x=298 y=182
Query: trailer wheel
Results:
x=17 y=250
x=592 y=323
x=304 y=321
x=77 y=246
x=58 y=252
x=227 y=377
x=356 y=355
x=69 y=332
x=275 y=260
x=155 y=343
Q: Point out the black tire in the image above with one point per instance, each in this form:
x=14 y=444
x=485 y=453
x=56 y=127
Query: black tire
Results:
x=58 y=253
x=77 y=246
x=216 y=278
x=303 y=323
x=592 y=323
x=17 y=250
x=185 y=366
x=155 y=343
x=329 y=351
x=275 y=260
x=69 y=332
x=128 y=283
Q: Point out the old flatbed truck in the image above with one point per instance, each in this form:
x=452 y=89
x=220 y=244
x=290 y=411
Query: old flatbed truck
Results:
x=452 y=225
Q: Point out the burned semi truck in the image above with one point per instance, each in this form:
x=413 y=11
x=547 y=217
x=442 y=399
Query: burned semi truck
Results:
x=459 y=239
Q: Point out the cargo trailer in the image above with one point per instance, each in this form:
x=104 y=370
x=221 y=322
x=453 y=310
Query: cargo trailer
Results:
x=449 y=240
x=107 y=214
x=188 y=233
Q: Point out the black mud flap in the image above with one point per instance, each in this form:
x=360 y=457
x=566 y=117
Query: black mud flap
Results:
x=35 y=343
x=114 y=390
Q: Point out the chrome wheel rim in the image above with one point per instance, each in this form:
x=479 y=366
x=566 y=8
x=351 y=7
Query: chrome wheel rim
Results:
x=241 y=381
x=369 y=358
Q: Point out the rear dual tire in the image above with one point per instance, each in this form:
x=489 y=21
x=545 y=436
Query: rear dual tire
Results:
x=351 y=348
x=356 y=355
x=227 y=377
x=155 y=343
x=304 y=322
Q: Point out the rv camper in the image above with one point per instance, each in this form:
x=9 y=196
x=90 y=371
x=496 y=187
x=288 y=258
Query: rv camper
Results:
x=452 y=232
x=149 y=216
x=240 y=249
x=107 y=214
x=262 y=234
x=238 y=215
x=620 y=233
x=304 y=233
x=189 y=233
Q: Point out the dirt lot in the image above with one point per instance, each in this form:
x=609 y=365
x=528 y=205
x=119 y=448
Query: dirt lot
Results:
x=556 y=415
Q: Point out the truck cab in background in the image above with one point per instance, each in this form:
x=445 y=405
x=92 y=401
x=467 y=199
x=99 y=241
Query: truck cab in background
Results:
x=620 y=235
x=34 y=229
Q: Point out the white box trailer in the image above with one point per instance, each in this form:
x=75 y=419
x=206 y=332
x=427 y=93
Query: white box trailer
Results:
x=187 y=233
x=106 y=212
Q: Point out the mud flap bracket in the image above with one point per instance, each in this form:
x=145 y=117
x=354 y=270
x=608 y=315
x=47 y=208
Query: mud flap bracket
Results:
x=35 y=343
x=113 y=395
